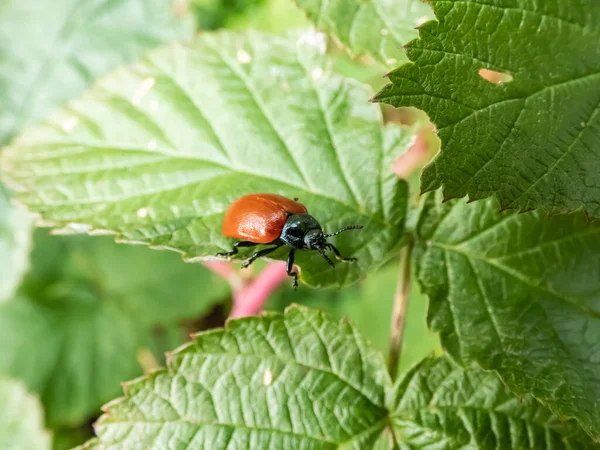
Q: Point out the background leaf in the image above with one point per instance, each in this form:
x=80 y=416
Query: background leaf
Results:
x=86 y=310
x=15 y=242
x=519 y=294
x=158 y=156
x=53 y=50
x=21 y=419
x=299 y=380
x=443 y=406
x=377 y=28
x=50 y=52
x=214 y=14
x=530 y=142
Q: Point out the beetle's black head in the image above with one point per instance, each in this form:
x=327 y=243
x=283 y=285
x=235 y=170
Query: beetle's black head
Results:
x=302 y=231
x=315 y=239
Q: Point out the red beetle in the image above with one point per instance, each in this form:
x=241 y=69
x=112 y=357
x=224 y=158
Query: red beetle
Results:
x=276 y=220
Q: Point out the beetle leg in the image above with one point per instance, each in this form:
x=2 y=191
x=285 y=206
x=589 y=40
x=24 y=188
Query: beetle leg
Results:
x=235 y=248
x=289 y=268
x=258 y=254
x=338 y=255
x=326 y=258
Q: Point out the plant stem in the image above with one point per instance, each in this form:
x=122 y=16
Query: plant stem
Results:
x=250 y=299
x=414 y=158
x=399 y=311
x=226 y=271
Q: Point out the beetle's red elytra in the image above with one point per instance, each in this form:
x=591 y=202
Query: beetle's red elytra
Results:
x=259 y=218
x=273 y=219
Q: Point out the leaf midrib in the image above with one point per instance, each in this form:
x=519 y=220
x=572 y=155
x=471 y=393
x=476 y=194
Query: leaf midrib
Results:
x=358 y=209
x=246 y=83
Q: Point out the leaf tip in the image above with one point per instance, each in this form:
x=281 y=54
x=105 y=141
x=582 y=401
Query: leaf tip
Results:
x=293 y=306
x=345 y=320
x=107 y=407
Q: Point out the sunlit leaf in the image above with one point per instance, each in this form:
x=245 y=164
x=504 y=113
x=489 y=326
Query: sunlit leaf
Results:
x=293 y=381
x=302 y=381
x=163 y=147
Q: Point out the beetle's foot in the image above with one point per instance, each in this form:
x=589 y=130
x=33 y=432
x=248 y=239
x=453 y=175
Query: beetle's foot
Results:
x=295 y=284
x=227 y=255
x=341 y=258
x=246 y=263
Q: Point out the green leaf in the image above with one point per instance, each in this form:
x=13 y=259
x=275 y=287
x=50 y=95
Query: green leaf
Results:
x=163 y=147
x=15 y=242
x=21 y=419
x=378 y=28
x=443 y=406
x=518 y=294
x=292 y=381
x=368 y=305
x=51 y=51
x=531 y=142
x=86 y=310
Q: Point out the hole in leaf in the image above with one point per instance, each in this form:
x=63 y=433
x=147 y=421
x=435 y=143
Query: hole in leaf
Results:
x=495 y=77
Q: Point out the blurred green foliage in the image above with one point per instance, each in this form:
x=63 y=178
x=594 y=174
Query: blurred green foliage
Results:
x=214 y=14
x=88 y=311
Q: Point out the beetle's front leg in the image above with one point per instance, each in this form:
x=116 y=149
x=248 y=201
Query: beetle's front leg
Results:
x=289 y=268
x=259 y=254
x=338 y=255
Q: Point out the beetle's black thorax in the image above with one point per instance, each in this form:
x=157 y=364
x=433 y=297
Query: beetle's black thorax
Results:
x=297 y=227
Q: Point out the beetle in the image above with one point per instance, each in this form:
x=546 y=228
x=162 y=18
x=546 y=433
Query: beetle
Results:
x=276 y=220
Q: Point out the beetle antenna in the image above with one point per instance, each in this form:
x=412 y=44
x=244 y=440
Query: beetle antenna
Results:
x=326 y=258
x=350 y=227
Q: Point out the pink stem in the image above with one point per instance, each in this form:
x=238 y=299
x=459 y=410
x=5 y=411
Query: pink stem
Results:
x=412 y=159
x=226 y=271
x=250 y=299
